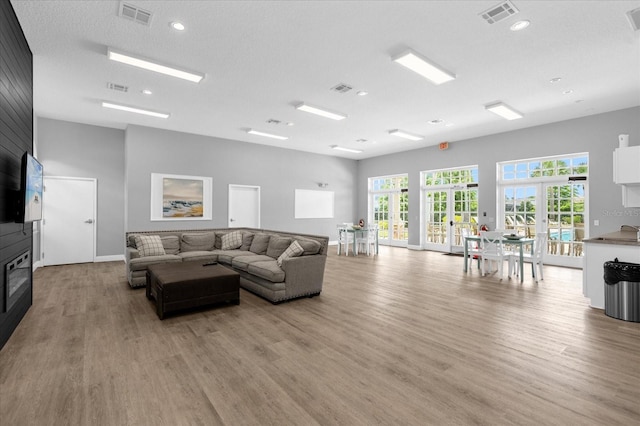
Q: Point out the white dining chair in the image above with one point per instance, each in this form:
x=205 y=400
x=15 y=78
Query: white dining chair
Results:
x=473 y=249
x=536 y=259
x=344 y=238
x=367 y=239
x=492 y=250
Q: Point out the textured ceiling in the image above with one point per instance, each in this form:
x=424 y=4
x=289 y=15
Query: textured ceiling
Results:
x=263 y=57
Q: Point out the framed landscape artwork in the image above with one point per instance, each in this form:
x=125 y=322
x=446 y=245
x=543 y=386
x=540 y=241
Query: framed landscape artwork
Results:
x=177 y=197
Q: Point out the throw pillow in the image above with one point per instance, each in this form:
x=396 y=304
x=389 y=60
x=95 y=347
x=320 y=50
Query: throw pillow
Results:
x=171 y=244
x=294 y=250
x=309 y=246
x=260 y=243
x=277 y=246
x=149 y=245
x=232 y=240
x=197 y=241
x=247 y=239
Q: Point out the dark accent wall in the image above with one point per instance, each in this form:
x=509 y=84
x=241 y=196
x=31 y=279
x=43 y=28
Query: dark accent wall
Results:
x=16 y=137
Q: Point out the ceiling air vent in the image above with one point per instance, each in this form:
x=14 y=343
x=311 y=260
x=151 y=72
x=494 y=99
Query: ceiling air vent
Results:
x=341 y=88
x=634 y=18
x=134 y=13
x=499 y=12
x=118 y=87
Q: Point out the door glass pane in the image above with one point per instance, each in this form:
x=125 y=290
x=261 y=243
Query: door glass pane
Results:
x=520 y=210
x=435 y=216
x=465 y=213
x=381 y=214
x=565 y=219
x=401 y=215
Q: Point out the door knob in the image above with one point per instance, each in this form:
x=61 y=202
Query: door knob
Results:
x=88 y=221
x=232 y=220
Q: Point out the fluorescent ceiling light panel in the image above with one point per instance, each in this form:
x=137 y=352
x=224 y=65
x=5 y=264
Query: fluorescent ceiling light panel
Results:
x=421 y=65
x=339 y=148
x=504 y=111
x=321 y=111
x=136 y=61
x=406 y=135
x=266 y=135
x=135 y=109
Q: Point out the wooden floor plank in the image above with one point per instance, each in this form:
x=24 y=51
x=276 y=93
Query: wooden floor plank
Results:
x=405 y=337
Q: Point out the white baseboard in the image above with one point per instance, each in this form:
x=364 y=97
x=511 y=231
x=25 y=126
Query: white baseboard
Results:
x=36 y=265
x=412 y=247
x=112 y=258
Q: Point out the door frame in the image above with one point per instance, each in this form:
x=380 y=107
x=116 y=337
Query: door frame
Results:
x=232 y=185
x=391 y=217
x=95 y=214
x=450 y=245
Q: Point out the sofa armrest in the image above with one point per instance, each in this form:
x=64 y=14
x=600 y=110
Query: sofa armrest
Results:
x=304 y=275
x=131 y=253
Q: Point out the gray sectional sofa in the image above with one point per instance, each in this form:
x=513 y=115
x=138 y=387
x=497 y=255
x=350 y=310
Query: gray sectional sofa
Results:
x=259 y=259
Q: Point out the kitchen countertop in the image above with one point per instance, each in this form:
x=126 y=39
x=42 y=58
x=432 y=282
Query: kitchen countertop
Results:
x=628 y=238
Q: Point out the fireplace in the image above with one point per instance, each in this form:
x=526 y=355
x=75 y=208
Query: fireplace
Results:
x=17 y=279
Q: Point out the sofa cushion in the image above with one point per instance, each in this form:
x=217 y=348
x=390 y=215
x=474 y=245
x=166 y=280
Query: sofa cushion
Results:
x=231 y=241
x=308 y=245
x=199 y=256
x=141 y=263
x=294 y=250
x=260 y=243
x=277 y=246
x=226 y=256
x=242 y=262
x=247 y=239
x=171 y=244
x=197 y=241
x=267 y=269
x=149 y=245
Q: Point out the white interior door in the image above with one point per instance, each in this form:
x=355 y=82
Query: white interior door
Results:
x=69 y=220
x=446 y=212
x=244 y=206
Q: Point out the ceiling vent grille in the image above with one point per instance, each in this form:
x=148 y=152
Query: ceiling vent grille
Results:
x=341 y=88
x=273 y=121
x=499 y=12
x=634 y=18
x=134 y=13
x=118 y=87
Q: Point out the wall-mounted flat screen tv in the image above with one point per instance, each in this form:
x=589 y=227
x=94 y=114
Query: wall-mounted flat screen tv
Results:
x=31 y=186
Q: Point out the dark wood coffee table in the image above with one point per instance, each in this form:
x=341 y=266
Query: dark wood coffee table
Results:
x=178 y=286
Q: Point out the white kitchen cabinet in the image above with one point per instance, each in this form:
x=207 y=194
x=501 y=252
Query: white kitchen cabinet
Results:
x=626 y=165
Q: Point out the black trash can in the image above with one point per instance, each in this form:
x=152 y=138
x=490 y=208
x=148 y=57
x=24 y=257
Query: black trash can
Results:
x=622 y=290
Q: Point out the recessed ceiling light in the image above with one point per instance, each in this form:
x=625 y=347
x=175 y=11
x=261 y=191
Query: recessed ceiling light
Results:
x=290 y=124
x=135 y=109
x=436 y=121
x=520 y=25
x=321 y=111
x=555 y=79
x=136 y=61
x=267 y=135
x=340 y=148
x=178 y=26
x=406 y=135
x=503 y=111
x=147 y=92
x=567 y=92
x=362 y=93
x=423 y=66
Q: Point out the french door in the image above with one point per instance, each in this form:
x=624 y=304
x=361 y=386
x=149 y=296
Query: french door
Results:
x=390 y=211
x=555 y=208
x=446 y=212
x=389 y=208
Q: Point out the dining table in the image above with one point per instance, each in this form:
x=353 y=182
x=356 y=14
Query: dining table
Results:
x=519 y=242
x=357 y=232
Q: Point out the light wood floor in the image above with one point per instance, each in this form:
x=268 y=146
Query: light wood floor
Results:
x=403 y=338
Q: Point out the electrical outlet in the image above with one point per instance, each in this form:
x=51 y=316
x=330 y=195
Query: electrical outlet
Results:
x=596 y=222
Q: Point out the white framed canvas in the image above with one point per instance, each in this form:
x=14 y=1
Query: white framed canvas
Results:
x=178 y=197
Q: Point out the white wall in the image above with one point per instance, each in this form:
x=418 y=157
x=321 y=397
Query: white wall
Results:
x=597 y=135
x=279 y=172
